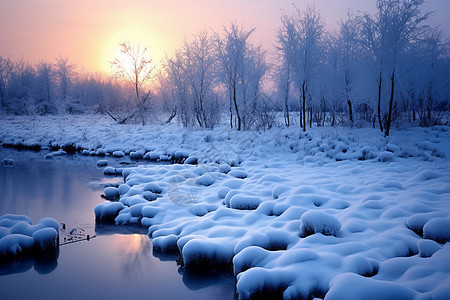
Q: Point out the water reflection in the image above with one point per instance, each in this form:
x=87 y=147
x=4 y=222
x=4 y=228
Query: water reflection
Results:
x=43 y=263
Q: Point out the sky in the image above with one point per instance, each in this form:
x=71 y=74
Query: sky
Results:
x=89 y=32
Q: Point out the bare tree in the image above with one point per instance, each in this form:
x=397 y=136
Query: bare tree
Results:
x=135 y=66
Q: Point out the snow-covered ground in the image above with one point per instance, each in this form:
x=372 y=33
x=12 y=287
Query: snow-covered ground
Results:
x=336 y=213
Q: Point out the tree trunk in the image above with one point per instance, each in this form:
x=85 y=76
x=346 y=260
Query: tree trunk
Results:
x=391 y=101
x=300 y=111
x=231 y=113
x=310 y=116
x=304 y=105
x=236 y=109
x=174 y=113
x=379 y=102
x=350 y=112
x=114 y=118
x=286 y=100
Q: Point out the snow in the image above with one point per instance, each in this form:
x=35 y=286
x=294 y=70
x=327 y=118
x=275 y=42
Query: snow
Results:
x=205 y=180
x=337 y=213
x=60 y=152
x=244 y=202
x=437 y=229
x=318 y=222
x=46 y=238
x=18 y=235
x=118 y=153
x=102 y=163
x=111 y=193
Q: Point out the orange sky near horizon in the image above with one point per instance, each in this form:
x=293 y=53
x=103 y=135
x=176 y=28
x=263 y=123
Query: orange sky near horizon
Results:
x=89 y=32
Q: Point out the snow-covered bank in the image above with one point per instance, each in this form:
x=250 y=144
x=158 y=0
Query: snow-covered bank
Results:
x=97 y=135
x=335 y=213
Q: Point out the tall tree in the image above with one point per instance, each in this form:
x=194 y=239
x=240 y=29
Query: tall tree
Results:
x=232 y=50
x=349 y=49
x=300 y=38
x=398 y=25
x=201 y=74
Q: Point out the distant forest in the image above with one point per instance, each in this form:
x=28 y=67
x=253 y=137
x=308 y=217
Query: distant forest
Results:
x=390 y=67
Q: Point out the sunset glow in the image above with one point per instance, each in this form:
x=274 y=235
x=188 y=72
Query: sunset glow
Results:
x=89 y=32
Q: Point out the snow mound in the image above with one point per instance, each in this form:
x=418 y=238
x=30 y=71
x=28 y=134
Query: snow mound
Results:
x=107 y=211
x=191 y=160
x=238 y=174
x=386 y=156
x=244 y=202
x=46 y=238
x=205 y=180
x=319 y=222
x=207 y=252
x=58 y=153
x=112 y=171
x=18 y=235
x=353 y=286
x=118 y=154
x=427 y=247
x=437 y=229
x=102 y=163
x=111 y=193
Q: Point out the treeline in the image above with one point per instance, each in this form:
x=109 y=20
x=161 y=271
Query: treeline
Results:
x=53 y=88
x=377 y=69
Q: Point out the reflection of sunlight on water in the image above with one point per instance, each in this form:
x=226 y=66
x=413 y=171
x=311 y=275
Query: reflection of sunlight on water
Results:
x=133 y=244
x=135 y=253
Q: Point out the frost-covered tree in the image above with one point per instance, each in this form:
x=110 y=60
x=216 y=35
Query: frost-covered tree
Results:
x=300 y=40
x=397 y=26
x=200 y=64
x=176 y=88
x=283 y=83
x=242 y=67
x=348 y=47
x=44 y=89
x=430 y=80
x=20 y=87
x=6 y=71
x=64 y=73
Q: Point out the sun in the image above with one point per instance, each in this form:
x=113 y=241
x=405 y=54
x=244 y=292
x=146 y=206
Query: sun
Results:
x=155 y=48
